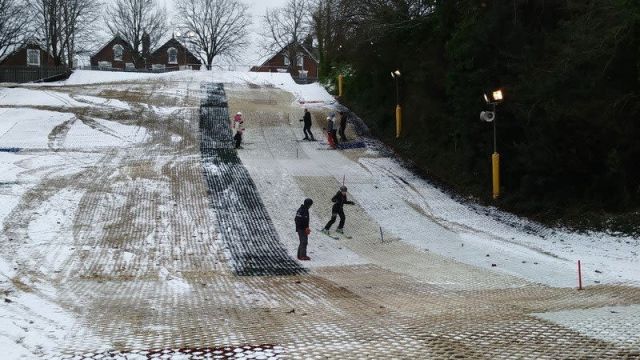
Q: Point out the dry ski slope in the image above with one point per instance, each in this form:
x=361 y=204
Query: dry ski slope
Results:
x=183 y=246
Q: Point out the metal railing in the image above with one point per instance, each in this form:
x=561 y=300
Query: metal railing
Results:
x=24 y=74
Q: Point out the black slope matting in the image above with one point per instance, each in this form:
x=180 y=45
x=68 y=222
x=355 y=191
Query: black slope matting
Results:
x=242 y=219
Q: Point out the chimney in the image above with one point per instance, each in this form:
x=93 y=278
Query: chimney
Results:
x=308 y=42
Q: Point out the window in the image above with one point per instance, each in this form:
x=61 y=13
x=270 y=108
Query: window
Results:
x=130 y=66
x=33 y=57
x=286 y=60
x=118 y=51
x=300 y=60
x=173 y=55
x=104 y=64
x=158 y=67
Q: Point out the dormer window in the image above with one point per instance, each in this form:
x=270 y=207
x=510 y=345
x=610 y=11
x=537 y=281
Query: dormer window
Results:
x=33 y=57
x=300 y=60
x=118 y=52
x=173 y=55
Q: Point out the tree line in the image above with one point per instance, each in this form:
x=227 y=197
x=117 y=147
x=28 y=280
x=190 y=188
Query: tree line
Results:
x=568 y=129
x=67 y=28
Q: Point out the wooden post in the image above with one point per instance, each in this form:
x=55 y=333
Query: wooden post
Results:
x=579 y=276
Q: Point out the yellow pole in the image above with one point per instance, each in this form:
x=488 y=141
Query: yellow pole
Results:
x=398 y=120
x=495 y=162
x=340 y=82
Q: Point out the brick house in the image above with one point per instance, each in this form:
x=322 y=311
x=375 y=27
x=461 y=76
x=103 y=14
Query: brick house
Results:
x=116 y=54
x=174 y=55
x=29 y=55
x=30 y=62
x=304 y=67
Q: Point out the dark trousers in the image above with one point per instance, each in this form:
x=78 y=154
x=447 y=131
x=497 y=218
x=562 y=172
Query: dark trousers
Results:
x=307 y=132
x=238 y=139
x=302 y=248
x=343 y=137
x=334 y=214
x=334 y=136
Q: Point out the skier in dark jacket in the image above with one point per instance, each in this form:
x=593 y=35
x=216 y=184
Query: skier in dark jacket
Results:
x=302 y=228
x=308 y=135
x=343 y=126
x=339 y=199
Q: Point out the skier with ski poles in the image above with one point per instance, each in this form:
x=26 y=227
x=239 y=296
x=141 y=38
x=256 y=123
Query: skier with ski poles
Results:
x=339 y=199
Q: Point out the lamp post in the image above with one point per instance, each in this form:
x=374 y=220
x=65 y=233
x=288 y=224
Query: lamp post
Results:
x=185 y=38
x=493 y=99
x=396 y=75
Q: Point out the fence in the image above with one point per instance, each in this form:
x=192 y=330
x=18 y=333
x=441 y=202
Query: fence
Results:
x=24 y=74
x=142 y=70
x=303 y=75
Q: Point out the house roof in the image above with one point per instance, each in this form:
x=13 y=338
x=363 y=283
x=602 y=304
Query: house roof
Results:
x=304 y=48
x=175 y=43
x=115 y=37
x=22 y=46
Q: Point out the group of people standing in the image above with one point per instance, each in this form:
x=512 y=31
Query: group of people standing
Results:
x=333 y=130
x=302 y=220
x=339 y=199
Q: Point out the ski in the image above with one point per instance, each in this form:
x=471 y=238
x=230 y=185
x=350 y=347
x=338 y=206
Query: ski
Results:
x=329 y=234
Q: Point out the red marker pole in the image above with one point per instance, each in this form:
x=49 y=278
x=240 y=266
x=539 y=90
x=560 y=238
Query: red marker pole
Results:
x=579 y=276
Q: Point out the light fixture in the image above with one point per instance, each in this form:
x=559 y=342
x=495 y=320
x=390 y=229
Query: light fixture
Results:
x=493 y=97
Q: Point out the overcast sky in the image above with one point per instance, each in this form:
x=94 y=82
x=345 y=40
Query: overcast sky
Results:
x=257 y=8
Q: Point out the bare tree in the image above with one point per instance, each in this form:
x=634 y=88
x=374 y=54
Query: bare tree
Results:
x=132 y=18
x=14 y=20
x=333 y=24
x=60 y=22
x=286 y=28
x=219 y=27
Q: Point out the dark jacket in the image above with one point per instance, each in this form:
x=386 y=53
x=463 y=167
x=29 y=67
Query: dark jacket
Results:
x=339 y=200
x=307 y=118
x=343 y=121
x=302 y=218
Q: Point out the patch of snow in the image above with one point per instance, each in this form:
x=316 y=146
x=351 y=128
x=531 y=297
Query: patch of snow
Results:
x=93 y=100
x=617 y=324
x=29 y=128
x=28 y=97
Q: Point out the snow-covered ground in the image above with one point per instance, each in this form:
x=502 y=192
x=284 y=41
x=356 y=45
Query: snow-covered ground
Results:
x=46 y=138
